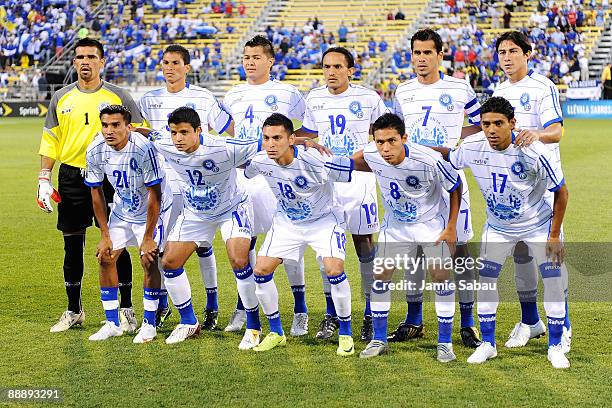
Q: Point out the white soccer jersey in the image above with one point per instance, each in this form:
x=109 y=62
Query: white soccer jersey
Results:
x=250 y=106
x=434 y=114
x=304 y=189
x=536 y=104
x=513 y=182
x=412 y=191
x=131 y=170
x=343 y=121
x=207 y=177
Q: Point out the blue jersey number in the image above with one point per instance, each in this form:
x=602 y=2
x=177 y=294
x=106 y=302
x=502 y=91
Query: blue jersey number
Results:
x=341 y=240
x=195 y=176
x=121 y=179
x=467 y=218
x=249 y=114
x=339 y=124
x=395 y=193
x=286 y=191
x=503 y=177
x=370 y=212
x=428 y=110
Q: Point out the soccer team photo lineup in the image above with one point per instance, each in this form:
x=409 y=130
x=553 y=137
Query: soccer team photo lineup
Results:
x=346 y=201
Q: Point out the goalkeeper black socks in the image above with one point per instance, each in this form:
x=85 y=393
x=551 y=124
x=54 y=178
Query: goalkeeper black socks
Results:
x=73 y=269
x=124 y=272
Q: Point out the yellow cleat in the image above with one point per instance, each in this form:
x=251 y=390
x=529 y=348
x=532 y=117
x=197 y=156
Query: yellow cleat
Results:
x=346 y=346
x=272 y=340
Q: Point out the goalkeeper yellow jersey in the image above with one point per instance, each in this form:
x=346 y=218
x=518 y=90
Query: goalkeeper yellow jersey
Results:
x=73 y=120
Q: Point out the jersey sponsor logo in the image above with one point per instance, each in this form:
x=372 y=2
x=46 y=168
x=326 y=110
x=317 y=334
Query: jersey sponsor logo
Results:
x=301 y=182
x=202 y=199
x=318 y=107
x=271 y=101
x=524 y=100
x=447 y=101
x=484 y=161
x=153 y=105
x=414 y=182
x=355 y=109
x=210 y=165
x=518 y=169
x=296 y=211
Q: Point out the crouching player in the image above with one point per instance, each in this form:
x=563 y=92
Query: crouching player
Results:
x=514 y=182
x=303 y=182
x=412 y=180
x=142 y=200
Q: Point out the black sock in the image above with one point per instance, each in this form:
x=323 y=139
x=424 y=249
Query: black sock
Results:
x=73 y=270
x=124 y=273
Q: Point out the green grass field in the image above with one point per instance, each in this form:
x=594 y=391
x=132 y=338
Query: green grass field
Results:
x=212 y=371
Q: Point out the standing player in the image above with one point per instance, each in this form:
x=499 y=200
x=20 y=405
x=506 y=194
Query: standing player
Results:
x=71 y=124
x=433 y=106
x=206 y=172
x=340 y=114
x=306 y=215
x=142 y=199
x=156 y=106
x=412 y=180
x=250 y=104
x=538 y=117
x=514 y=182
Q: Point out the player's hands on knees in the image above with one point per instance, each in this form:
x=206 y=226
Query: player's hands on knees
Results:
x=555 y=251
x=104 y=251
x=320 y=148
x=449 y=235
x=46 y=192
x=525 y=137
x=149 y=249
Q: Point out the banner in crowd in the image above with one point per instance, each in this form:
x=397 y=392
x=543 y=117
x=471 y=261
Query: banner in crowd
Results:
x=23 y=109
x=588 y=109
x=583 y=90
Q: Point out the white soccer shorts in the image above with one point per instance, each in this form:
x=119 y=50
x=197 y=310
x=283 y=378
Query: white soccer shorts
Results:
x=358 y=200
x=464 y=220
x=288 y=241
x=126 y=234
x=263 y=199
x=189 y=227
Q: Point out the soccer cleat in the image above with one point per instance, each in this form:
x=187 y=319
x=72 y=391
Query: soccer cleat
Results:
x=272 y=340
x=299 y=327
x=250 y=339
x=374 y=348
x=210 y=320
x=557 y=358
x=146 y=333
x=67 y=320
x=127 y=320
x=346 y=346
x=469 y=337
x=327 y=328
x=406 y=332
x=106 y=331
x=445 y=352
x=483 y=353
x=236 y=321
x=161 y=315
x=566 y=340
x=367 y=330
x=182 y=332
x=522 y=333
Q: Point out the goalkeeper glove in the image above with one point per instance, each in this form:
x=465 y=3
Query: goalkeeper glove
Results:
x=46 y=192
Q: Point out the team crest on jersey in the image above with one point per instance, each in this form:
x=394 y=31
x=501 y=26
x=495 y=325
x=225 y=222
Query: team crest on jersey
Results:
x=434 y=134
x=210 y=165
x=355 y=109
x=340 y=145
x=447 y=101
x=298 y=211
x=271 y=101
x=413 y=182
x=102 y=106
x=405 y=211
x=301 y=182
x=130 y=202
x=134 y=166
x=525 y=101
x=518 y=169
x=506 y=207
x=202 y=199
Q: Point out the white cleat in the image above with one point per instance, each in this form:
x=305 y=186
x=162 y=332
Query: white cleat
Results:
x=67 y=320
x=557 y=358
x=299 y=327
x=445 y=352
x=128 y=321
x=522 y=333
x=483 y=353
x=250 y=339
x=236 y=321
x=566 y=340
x=146 y=333
x=182 y=332
x=107 y=331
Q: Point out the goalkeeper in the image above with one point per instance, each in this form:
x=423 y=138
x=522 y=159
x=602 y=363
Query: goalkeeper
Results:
x=71 y=124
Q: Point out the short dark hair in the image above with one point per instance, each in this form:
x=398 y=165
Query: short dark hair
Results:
x=185 y=114
x=389 y=121
x=90 y=42
x=516 y=37
x=114 y=109
x=350 y=60
x=427 y=35
x=278 y=119
x=263 y=42
x=180 y=50
x=497 y=104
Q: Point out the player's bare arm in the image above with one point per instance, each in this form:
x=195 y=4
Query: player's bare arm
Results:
x=105 y=246
x=303 y=133
x=449 y=234
x=359 y=162
x=470 y=130
x=149 y=246
x=444 y=151
x=554 y=246
x=552 y=134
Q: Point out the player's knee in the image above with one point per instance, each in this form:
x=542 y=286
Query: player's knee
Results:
x=239 y=261
x=106 y=261
x=148 y=264
x=439 y=274
x=169 y=262
x=384 y=275
x=262 y=270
